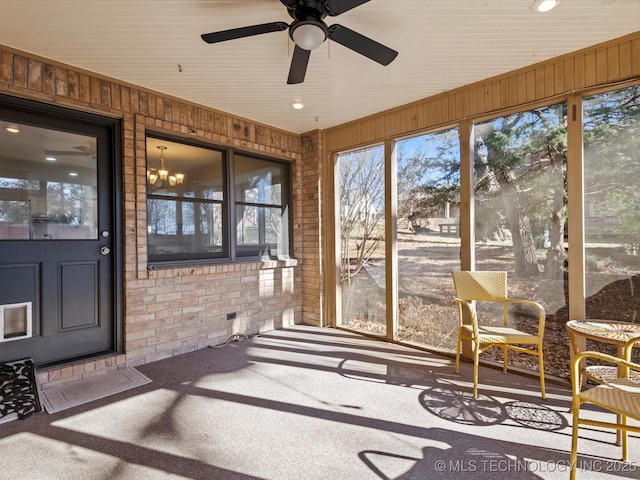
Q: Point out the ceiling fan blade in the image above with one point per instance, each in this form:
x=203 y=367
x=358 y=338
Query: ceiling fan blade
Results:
x=361 y=44
x=67 y=153
x=242 y=32
x=290 y=4
x=299 y=64
x=336 y=7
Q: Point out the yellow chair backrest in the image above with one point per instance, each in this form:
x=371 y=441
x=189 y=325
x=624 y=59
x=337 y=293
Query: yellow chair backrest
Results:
x=482 y=286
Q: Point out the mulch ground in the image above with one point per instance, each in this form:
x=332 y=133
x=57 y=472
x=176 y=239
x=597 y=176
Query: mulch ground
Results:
x=425 y=272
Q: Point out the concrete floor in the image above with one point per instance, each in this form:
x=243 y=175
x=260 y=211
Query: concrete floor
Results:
x=311 y=403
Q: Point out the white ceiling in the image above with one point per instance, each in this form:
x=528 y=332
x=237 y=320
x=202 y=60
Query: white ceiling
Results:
x=442 y=44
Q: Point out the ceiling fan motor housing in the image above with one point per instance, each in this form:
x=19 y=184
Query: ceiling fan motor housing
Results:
x=304 y=9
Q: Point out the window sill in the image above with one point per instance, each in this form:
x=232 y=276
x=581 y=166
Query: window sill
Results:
x=280 y=263
x=191 y=268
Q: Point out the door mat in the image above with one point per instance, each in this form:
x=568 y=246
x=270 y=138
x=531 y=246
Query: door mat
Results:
x=94 y=388
x=18 y=390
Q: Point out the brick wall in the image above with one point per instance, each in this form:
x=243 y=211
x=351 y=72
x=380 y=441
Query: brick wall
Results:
x=312 y=186
x=176 y=310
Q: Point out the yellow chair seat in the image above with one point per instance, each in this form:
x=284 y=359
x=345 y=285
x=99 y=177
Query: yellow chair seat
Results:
x=621 y=396
x=490 y=334
x=607 y=373
x=619 y=393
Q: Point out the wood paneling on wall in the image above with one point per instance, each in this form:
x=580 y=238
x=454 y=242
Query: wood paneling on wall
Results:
x=614 y=61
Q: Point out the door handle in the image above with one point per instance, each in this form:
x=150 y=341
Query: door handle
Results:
x=105 y=250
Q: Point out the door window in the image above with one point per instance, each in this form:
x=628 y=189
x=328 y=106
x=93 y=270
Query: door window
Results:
x=48 y=184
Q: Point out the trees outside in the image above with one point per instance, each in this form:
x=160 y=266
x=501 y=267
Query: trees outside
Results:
x=361 y=215
x=612 y=203
x=68 y=202
x=520 y=163
x=361 y=176
x=428 y=177
x=612 y=166
x=42 y=209
x=14 y=209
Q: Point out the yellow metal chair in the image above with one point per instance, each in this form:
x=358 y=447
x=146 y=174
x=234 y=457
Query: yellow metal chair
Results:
x=618 y=393
x=474 y=287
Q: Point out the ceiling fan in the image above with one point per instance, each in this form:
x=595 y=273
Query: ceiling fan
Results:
x=308 y=31
x=78 y=151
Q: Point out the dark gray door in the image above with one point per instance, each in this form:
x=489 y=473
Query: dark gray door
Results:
x=57 y=257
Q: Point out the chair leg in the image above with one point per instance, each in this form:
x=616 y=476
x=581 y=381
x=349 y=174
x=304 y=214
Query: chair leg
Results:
x=541 y=364
x=505 y=356
x=573 y=459
x=625 y=438
x=458 y=352
x=476 y=361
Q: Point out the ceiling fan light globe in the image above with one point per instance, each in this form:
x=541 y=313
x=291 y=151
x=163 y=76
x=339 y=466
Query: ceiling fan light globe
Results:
x=543 y=6
x=308 y=36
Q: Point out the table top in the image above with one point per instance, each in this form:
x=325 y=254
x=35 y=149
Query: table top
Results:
x=605 y=330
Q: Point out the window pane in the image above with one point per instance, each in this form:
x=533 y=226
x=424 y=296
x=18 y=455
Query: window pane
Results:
x=183 y=230
x=520 y=212
x=201 y=169
x=188 y=187
x=428 y=176
x=248 y=225
x=262 y=231
x=273 y=225
x=611 y=124
x=189 y=225
x=362 y=259
x=48 y=184
x=258 y=181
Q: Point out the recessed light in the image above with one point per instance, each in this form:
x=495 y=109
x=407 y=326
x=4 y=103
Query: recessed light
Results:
x=73 y=174
x=50 y=159
x=542 y=6
x=12 y=129
x=298 y=105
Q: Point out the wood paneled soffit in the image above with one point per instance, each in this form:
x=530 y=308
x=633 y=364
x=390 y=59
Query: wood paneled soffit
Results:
x=586 y=70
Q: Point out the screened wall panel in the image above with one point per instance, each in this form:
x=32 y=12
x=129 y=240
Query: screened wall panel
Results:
x=361 y=226
x=428 y=237
x=611 y=132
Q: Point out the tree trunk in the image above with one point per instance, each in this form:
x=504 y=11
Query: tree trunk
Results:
x=524 y=250
x=554 y=264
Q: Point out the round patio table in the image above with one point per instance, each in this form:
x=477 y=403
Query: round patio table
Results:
x=607 y=331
